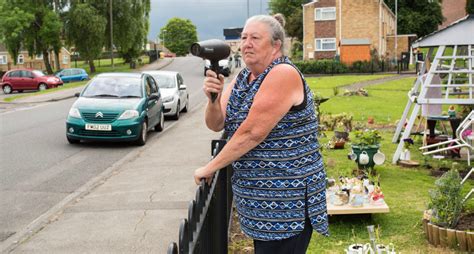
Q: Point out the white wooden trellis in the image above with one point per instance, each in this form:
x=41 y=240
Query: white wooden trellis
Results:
x=454 y=45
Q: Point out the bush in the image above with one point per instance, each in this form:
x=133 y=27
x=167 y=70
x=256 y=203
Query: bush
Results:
x=321 y=67
x=446 y=200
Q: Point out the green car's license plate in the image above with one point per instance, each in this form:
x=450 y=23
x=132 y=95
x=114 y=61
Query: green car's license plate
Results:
x=99 y=127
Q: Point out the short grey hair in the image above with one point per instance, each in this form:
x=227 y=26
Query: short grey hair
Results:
x=276 y=24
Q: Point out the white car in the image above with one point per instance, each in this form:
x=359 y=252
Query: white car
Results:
x=173 y=91
x=226 y=67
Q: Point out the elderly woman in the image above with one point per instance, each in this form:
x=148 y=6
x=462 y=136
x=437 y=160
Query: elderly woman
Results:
x=268 y=113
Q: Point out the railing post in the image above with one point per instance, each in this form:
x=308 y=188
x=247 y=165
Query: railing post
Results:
x=183 y=237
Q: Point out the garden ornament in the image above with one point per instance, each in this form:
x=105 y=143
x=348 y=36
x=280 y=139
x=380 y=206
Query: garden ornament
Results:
x=379 y=158
x=358 y=248
x=352 y=156
x=364 y=158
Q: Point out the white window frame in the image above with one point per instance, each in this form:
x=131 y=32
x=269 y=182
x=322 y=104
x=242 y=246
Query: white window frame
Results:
x=324 y=41
x=3 y=59
x=20 y=59
x=323 y=11
x=65 y=59
x=39 y=57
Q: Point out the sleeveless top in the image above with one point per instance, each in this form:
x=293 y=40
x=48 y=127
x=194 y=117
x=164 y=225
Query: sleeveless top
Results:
x=281 y=181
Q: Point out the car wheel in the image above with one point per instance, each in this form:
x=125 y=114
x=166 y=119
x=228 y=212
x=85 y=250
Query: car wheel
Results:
x=186 y=107
x=7 y=89
x=73 y=141
x=176 y=116
x=42 y=87
x=161 y=125
x=143 y=133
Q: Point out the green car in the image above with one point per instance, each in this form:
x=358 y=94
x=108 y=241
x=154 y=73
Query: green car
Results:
x=116 y=107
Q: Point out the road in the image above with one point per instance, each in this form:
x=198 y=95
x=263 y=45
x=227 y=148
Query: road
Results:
x=38 y=166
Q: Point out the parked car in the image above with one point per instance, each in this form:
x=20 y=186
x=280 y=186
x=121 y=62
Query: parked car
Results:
x=72 y=74
x=116 y=107
x=226 y=67
x=173 y=90
x=27 y=79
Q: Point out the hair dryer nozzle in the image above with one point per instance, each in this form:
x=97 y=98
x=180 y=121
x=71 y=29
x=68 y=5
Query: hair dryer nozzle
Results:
x=213 y=49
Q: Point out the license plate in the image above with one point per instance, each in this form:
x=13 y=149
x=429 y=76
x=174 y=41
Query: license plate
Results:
x=99 y=127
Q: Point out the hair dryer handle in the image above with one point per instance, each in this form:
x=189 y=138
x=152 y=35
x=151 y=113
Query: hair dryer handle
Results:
x=214 y=68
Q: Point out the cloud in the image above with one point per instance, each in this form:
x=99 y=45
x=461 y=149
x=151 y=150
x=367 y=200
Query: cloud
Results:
x=209 y=16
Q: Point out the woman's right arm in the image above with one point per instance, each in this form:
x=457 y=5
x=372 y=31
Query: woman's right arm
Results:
x=216 y=111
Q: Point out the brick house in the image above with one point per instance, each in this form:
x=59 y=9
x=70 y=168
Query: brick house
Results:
x=452 y=10
x=36 y=62
x=350 y=29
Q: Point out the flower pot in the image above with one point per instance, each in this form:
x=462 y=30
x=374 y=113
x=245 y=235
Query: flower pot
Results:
x=341 y=135
x=370 y=151
x=450 y=238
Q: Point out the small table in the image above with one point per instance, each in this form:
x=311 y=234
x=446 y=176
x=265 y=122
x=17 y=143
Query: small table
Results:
x=348 y=209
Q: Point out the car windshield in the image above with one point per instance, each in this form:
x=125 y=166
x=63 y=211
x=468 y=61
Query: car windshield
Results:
x=120 y=87
x=165 y=81
x=39 y=73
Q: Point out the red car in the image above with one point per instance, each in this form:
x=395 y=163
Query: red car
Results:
x=26 y=79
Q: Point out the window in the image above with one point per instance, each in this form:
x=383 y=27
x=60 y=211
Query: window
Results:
x=3 y=59
x=325 y=44
x=21 y=59
x=328 y=13
x=39 y=57
x=15 y=74
x=27 y=74
x=153 y=87
x=65 y=59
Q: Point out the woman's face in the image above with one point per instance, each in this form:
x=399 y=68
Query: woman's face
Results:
x=256 y=45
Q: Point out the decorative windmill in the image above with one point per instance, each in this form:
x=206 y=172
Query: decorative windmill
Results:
x=450 y=72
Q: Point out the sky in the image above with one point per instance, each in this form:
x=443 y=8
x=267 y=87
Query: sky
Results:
x=209 y=16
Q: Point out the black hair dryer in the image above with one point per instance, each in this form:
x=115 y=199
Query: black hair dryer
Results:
x=213 y=50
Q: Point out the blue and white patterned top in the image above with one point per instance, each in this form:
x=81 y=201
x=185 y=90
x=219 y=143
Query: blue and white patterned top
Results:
x=277 y=181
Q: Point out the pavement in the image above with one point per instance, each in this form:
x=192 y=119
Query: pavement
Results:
x=136 y=205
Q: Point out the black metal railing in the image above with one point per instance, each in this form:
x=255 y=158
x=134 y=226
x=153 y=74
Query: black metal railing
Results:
x=206 y=229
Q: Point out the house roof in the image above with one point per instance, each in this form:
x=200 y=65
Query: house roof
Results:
x=454 y=34
x=363 y=41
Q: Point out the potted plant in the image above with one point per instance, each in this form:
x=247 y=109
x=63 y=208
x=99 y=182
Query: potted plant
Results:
x=445 y=207
x=405 y=155
x=365 y=145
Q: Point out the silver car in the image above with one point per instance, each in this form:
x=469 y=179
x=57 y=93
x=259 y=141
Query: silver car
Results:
x=173 y=91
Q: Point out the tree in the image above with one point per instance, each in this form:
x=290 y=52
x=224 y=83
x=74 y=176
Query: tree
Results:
x=130 y=21
x=81 y=18
x=34 y=25
x=470 y=6
x=293 y=12
x=13 y=26
x=178 y=35
x=420 y=17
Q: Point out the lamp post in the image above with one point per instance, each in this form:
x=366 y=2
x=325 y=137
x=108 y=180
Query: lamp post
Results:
x=164 y=35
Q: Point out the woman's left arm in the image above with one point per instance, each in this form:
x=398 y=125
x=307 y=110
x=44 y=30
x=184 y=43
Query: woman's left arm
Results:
x=281 y=89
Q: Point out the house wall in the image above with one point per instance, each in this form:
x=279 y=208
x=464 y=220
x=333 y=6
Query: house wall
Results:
x=34 y=63
x=403 y=45
x=308 y=32
x=452 y=10
x=361 y=19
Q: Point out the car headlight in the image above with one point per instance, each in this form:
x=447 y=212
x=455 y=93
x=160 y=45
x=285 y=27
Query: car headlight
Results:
x=128 y=114
x=52 y=79
x=74 y=112
x=167 y=99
